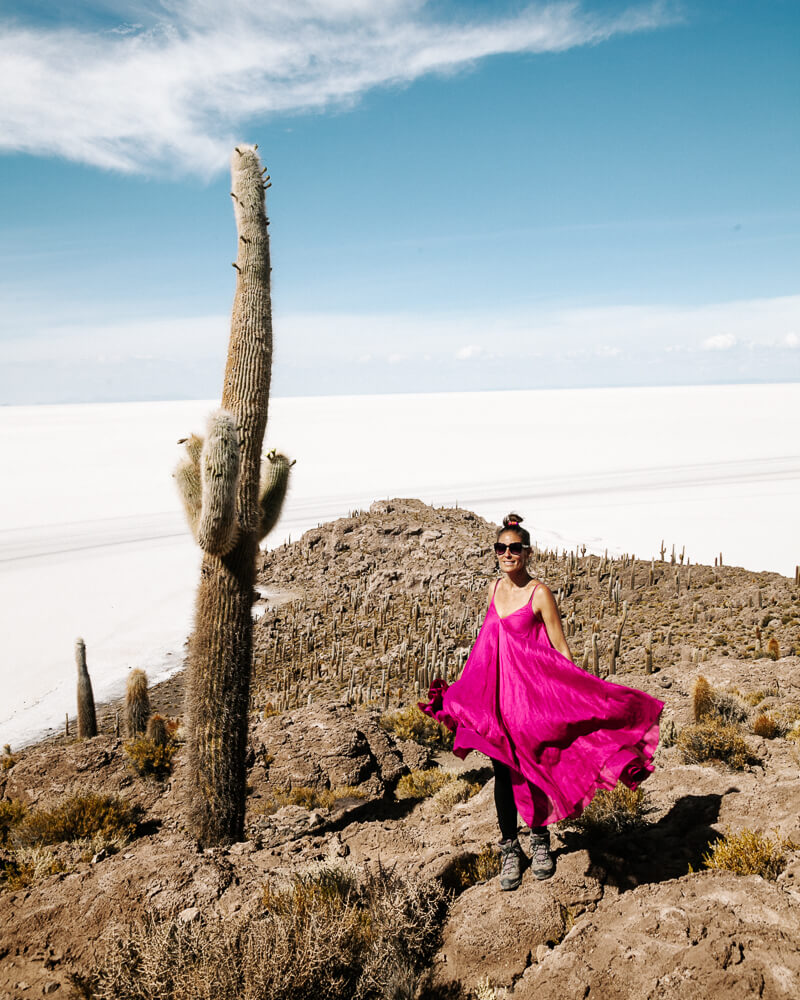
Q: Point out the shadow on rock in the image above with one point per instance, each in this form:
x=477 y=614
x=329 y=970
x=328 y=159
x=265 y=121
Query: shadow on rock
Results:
x=653 y=852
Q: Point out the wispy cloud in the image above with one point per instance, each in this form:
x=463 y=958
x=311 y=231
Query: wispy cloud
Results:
x=175 y=83
x=720 y=342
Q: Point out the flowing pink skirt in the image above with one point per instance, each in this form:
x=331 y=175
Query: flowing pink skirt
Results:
x=563 y=733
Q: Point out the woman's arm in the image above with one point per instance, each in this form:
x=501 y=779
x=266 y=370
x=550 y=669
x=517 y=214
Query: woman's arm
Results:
x=545 y=604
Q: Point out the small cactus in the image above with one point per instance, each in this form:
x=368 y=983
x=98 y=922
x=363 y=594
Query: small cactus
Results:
x=157 y=730
x=87 y=717
x=702 y=699
x=137 y=703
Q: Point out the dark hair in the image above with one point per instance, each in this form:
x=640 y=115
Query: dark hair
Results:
x=513 y=522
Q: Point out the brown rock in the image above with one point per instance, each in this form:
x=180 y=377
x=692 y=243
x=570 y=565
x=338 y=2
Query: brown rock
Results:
x=706 y=935
x=494 y=934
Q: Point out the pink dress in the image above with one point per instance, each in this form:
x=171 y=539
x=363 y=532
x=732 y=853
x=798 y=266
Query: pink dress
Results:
x=563 y=733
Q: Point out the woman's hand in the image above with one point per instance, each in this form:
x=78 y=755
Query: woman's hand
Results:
x=545 y=604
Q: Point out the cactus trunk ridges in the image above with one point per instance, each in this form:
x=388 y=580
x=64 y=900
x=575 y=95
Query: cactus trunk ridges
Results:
x=87 y=718
x=137 y=703
x=220 y=648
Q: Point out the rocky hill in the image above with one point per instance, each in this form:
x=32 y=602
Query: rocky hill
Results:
x=390 y=841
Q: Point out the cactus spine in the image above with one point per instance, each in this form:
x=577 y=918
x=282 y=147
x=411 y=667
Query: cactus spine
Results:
x=87 y=717
x=137 y=703
x=228 y=517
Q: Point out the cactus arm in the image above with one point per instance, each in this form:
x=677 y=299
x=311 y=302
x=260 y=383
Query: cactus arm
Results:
x=187 y=479
x=219 y=477
x=274 y=483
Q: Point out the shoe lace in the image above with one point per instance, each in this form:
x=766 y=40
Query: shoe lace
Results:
x=541 y=852
x=510 y=860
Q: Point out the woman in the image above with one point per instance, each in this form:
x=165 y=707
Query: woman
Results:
x=555 y=734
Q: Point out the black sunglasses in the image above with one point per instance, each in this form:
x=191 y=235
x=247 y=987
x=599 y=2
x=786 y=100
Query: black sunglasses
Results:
x=515 y=548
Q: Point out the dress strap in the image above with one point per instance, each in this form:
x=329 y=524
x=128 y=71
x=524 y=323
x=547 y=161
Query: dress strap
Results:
x=532 y=593
x=495 y=588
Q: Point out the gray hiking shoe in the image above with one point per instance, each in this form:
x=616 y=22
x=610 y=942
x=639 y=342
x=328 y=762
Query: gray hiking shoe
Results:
x=542 y=864
x=511 y=870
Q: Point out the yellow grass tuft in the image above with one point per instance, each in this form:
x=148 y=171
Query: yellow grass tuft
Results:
x=750 y=853
x=612 y=811
x=455 y=792
x=411 y=724
x=150 y=757
x=423 y=784
x=12 y=812
x=713 y=740
x=76 y=818
x=307 y=797
x=470 y=869
x=766 y=726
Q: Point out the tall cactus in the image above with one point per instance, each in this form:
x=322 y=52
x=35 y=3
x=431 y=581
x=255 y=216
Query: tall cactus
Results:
x=230 y=507
x=87 y=717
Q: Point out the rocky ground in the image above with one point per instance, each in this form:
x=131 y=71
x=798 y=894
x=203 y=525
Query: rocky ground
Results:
x=380 y=603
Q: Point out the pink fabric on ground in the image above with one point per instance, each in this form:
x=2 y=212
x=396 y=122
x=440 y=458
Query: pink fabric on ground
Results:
x=564 y=733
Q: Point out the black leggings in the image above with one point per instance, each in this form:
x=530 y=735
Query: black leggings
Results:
x=504 y=803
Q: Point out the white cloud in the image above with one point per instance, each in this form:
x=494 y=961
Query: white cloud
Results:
x=177 y=92
x=470 y=352
x=720 y=342
x=791 y=340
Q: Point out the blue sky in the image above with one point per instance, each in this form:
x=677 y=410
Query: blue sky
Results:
x=465 y=195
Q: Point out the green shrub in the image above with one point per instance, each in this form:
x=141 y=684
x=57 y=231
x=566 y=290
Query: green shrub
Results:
x=333 y=934
x=750 y=853
x=150 y=757
x=412 y=724
x=423 y=784
x=713 y=740
x=76 y=818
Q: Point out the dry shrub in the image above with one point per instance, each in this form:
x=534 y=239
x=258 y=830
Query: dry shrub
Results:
x=612 y=811
x=150 y=756
x=470 y=869
x=27 y=865
x=454 y=792
x=330 y=934
x=7 y=760
x=766 y=726
x=307 y=797
x=668 y=733
x=487 y=990
x=423 y=784
x=773 y=649
x=412 y=724
x=713 y=740
x=76 y=818
x=750 y=853
x=12 y=812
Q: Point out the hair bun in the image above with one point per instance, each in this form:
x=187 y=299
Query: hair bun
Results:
x=510 y=520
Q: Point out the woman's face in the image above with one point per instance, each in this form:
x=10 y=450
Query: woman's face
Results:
x=510 y=561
